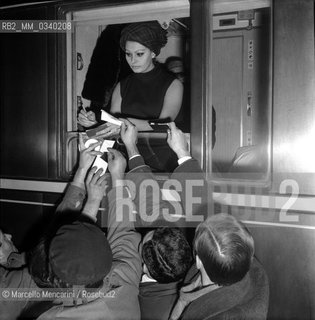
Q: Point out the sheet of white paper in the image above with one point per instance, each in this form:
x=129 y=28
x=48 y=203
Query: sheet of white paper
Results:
x=107 y=144
x=105 y=116
x=89 y=142
x=99 y=162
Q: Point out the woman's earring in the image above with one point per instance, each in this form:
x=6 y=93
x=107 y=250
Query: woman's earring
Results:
x=153 y=55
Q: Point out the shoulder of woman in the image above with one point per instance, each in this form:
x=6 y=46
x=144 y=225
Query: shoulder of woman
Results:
x=176 y=85
x=117 y=88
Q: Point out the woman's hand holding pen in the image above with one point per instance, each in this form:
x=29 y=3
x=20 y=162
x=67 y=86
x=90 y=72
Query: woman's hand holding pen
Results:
x=86 y=118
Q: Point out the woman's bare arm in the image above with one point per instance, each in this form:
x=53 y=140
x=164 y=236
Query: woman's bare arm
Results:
x=172 y=100
x=116 y=100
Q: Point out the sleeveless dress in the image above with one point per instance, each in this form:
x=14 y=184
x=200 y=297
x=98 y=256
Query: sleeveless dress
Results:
x=143 y=97
x=143 y=93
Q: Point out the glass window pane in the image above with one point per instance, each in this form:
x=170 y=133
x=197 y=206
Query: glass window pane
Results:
x=241 y=94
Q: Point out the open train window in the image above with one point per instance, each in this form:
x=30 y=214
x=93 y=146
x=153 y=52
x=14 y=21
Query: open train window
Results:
x=95 y=63
x=241 y=69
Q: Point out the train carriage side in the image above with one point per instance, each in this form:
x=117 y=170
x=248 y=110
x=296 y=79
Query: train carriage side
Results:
x=253 y=61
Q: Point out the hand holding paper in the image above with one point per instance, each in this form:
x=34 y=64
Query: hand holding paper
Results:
x=110 y=129
x=101 y=160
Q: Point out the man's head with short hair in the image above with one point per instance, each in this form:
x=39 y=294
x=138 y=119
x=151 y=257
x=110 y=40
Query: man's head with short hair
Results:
x=166 y=254
x=225 y=247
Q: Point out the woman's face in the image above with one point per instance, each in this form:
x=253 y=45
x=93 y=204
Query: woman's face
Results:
x=139 y=57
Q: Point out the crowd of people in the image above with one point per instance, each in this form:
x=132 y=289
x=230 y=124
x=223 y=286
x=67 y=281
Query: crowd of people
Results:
x=136 y=268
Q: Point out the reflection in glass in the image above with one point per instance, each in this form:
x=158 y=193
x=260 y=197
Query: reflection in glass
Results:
x=241 y=69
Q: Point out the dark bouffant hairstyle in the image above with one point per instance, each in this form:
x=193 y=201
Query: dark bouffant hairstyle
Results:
x=150 y=34
x=167 y=255
x=225 y=248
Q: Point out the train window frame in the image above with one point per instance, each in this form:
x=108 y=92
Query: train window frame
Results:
x=108 y=14
x=202 y=135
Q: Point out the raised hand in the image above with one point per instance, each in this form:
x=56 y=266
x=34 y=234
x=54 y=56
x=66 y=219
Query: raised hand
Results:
x=95 y=184
x=176 y=139
x=128 y=133
x=87 y=155
x=96 y=187
x=129 y=136
x=86 y=118
x=116 y=165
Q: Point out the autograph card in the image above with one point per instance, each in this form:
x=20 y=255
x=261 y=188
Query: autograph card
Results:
x=101 y=162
